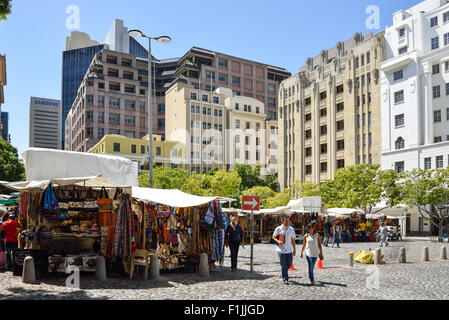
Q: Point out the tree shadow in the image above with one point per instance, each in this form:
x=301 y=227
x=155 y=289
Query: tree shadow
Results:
x=30 y=294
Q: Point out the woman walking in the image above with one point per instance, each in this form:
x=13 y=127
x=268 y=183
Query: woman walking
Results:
x=336 y=234
x=234 y=236
x=314 y=250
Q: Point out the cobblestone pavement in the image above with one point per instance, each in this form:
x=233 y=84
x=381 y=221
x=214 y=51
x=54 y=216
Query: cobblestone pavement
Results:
x=413 y=280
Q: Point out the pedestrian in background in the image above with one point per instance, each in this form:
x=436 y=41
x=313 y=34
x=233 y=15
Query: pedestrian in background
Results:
x=285 y=238
x=234 y=236
x=336 y=234
x=314 y=250
x=11 y=228
x=383 y=230
x=327 y=231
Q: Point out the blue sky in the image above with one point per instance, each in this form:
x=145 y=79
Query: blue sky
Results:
x=277 y=32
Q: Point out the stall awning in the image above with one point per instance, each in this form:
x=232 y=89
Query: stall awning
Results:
x=40 y=185
x=341 y=212
x=172 y=198
x=276 y=211
x=8 y=202
x=305 y=205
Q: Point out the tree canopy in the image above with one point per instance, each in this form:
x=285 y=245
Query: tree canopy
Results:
x=10 y=167
x=5 y=9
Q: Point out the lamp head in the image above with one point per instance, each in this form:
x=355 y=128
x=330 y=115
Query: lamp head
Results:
x=163 y=39
x=135 y=33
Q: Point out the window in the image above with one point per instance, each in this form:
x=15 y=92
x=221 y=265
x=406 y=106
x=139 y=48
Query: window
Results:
x=308 y=152
x=436 y=116
x=133 y=148
x=142 y=149
x=272 y=101
x=369 y=117
x=130 y=120
x=439 y=162
x=340 y=164
x=204 y=97
x=447 y=114
x=446 y=39
x=90 y=115
x=158 y=151
x=192 y=95
x=445 y=17
x=90 y=99
x=308 y=134
x=210 y=75
x=436 y=91
x=399 y=166
x=100 y=116
x=399 y=97
x=271 y=88
x=399 y=120
x=216 y=100
x=116 y=147
x=401 y=33
x=340 y=125
x=436 y=69
x=100 y=132
x=433 y=22
x=100 y=85
x=340 y=145
x=370 y=139
x=356 y=62
x=308 y=170
x=235 y=80
x=368 y=57
x=101 y=100
x=323 y=130
x=223 y=77
x=399 y=143
x=257 y=110
x=437 y=139
x=308 y=117
x=237 y=124
x=323 y=167
x=398 y=75
x=434 y=43
x=114 y=117
x=402 y=50
x=447 y=88
x=236 y=106
x=114 y=102
x=246 y=155
x=130 y=104
x=223 y=63
x=428 y=163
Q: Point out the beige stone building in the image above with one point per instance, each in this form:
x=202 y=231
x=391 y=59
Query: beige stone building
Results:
x=329 y=115
x=197 y=120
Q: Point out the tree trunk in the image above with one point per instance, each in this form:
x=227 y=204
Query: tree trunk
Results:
x=440 y=230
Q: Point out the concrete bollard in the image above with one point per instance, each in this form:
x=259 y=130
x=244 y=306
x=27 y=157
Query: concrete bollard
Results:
x=402 y=255
x=378 y=256
x=351 y=259
x=443 y=253
x=204 y=265
x=154 y=267
x=425 y=254
x=28 y=272
x=100 y=272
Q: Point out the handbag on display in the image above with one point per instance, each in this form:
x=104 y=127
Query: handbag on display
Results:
x=62 y=199
x=49 y=204
x=104 y=207
x=90 y=203
x=75 y=201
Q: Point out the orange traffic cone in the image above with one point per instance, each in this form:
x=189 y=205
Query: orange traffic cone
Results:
x=320 y=264
x=292 y=268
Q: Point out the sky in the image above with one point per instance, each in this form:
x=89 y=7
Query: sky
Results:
x=282 y=33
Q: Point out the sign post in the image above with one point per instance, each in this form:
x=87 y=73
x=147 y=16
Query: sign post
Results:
x=251 y=203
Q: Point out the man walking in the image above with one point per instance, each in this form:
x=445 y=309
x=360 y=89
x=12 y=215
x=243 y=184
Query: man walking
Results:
x=284 y=236
x=383 y=230
x=11 y=228
x=327 y=231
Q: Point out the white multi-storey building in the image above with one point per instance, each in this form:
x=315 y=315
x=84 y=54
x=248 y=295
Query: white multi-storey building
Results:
x=45 y=123
x=415 y=88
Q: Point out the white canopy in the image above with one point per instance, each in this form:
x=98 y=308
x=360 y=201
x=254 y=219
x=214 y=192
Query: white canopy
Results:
x=173 y=198
x=305 y=205
x=40 y=185
x=276 y=211
x=341 y=212
x=47 y=164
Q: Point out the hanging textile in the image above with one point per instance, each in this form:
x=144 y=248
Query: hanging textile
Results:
x=124 y=238
x=49 y=204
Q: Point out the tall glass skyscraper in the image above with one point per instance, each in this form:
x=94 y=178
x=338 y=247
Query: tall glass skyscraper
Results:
x=5 y=131
x=74 y=66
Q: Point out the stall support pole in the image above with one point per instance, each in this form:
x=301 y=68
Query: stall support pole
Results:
x=252 y=240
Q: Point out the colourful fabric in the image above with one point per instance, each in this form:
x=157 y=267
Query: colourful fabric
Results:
x=10 y=227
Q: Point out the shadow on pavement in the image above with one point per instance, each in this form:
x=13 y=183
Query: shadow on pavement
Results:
x=29 y=294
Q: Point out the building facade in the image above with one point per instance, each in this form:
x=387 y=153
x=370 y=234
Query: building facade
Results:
x=3 y=82
x=165 y=153
x=197 y=122
x=329 y=114
x=5 y=127
x=45 y=123
x=415 y=89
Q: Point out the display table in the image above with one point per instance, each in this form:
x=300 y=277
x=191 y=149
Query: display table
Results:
x=85 y=262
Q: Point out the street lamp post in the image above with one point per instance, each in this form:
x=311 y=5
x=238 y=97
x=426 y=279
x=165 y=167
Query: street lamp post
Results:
x=162 y=39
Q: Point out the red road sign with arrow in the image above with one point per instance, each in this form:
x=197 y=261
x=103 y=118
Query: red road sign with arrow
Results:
x=250 y=203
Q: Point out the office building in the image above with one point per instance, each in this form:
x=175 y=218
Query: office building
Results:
x=329 y=114
x=3 y=81
x=165 y=153
x=45 y=123
x=415 y=89
x=5 y=127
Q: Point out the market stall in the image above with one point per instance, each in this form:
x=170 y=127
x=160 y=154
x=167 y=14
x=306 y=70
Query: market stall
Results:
x=178 y=227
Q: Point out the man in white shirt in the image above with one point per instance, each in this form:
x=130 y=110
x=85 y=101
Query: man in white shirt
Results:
x=287 y=249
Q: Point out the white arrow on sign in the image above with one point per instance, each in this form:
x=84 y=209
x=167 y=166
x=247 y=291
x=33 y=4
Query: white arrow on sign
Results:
x=252 y=203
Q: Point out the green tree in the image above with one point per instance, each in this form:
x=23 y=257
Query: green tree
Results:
x=271 y=181
x=263 y=192
x=428 y=190
x=10 y=168
x=197 y=184
x=165 y=178
x=304 y=189
x=224 y=184
x=280 y=199
x=362 y=187
x=250 y=177
x=5 y=9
